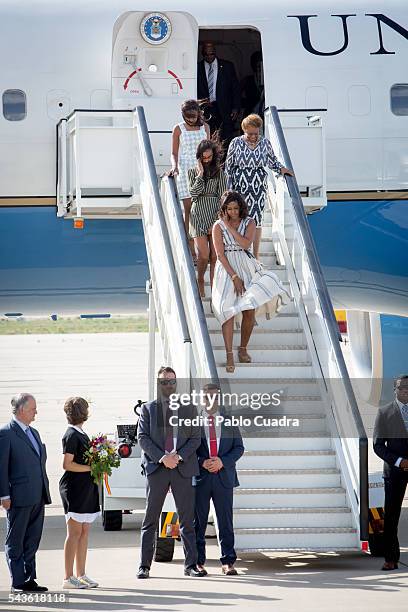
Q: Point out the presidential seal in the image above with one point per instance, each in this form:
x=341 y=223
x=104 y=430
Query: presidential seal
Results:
x=155 y=28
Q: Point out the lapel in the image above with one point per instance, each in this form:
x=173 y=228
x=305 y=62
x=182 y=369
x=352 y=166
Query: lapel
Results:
x=397 y=421
x=158 y=419
x=202 y=76
x=19 y=432
x=37 y=437
x=219 y=80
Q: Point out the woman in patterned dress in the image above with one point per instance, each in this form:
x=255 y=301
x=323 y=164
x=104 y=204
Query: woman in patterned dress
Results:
x=240 y=284
x=248 y=157
x=187 y=135
x=207 y=183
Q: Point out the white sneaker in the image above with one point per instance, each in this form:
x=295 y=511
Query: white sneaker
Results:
x=90 y=584
x=73 y=583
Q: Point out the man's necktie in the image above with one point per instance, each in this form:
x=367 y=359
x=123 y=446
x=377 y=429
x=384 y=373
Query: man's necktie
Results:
x=169 y=442
x=33 y=441
x=213 y=437
x=210 y=80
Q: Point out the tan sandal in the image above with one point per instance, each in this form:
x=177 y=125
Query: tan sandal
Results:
x=243 y=358
x=230 y=368
x=201 y=288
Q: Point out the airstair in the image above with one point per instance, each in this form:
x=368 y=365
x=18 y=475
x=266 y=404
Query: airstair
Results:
x=303 y=489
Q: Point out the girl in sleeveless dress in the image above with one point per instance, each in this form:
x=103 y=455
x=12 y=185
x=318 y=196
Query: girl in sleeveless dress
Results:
x=187 y=135
x=240 y=284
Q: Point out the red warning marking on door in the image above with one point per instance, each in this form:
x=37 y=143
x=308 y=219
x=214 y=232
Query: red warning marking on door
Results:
x=176 y=77
x=132 y=74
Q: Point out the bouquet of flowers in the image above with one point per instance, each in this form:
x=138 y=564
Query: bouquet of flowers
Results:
x=102 y=457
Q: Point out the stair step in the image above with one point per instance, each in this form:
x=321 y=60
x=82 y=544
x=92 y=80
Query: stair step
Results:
x=265 y=369
x=287 y=472
x=262 y=354
x=297 y=537
x=272 y=425
x=298 y=530
x=288 y=308
x=288 y=443
x=260 y=336
x=282 y=321
x=247 y=518
x=245 y=497
x=281 y=459
x=289 y=391
x=272 y=478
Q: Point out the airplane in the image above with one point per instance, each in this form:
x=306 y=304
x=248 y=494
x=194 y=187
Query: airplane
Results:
x=344 y=60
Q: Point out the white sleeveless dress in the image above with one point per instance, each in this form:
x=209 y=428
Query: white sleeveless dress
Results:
x=189 y=141
x=262 y=286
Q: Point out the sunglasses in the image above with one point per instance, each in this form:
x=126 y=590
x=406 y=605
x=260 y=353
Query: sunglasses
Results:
x=171 y=381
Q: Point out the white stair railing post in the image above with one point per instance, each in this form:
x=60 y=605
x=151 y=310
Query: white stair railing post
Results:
x=151 y=375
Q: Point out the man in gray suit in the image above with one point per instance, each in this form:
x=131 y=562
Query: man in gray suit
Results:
x=168 y=460
x=390 y=441
x=24 y=490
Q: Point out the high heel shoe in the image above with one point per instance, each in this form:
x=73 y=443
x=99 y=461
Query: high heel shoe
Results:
x=230 y=368
x=243 y=358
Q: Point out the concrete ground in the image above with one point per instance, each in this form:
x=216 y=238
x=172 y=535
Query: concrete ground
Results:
x=110 y=370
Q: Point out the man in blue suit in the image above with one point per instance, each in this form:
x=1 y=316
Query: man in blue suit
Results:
x=220 y=449
x=24 y=489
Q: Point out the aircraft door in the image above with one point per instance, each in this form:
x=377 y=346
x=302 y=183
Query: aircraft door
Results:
x=154 y=64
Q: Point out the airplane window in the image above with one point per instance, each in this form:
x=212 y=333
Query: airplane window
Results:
x=399 y=99
x=14 y=105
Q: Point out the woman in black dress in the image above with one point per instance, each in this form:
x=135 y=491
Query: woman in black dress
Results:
x=79 y=495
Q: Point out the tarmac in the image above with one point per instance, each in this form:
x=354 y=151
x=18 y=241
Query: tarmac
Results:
x=111 y=371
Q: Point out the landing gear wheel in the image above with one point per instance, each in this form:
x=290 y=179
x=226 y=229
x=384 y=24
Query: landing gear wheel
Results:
x=164 y=549
x=112 y=520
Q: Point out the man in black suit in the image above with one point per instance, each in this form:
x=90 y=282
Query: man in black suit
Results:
x=218 y=84
x=390 y=440
x=24 y=489
x=221 y=447
x=168 y=460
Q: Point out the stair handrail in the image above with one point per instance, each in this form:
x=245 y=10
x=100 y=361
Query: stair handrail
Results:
x=192 y=302
x=327 y=312
x=156 y=201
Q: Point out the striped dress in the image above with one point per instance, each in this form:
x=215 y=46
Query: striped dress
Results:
x=262 y=287
x=205 y=197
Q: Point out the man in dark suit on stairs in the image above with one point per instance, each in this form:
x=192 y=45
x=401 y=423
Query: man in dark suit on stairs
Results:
x=24 y=489
x=390 y=441
x=218 y=84
x=169 y=460
x=220 y=449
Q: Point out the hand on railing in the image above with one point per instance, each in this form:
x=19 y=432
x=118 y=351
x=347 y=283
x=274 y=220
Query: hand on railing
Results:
x=284 y=171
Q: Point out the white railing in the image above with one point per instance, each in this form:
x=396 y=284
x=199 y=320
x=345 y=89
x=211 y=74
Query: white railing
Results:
x=316 y=312
x=96 y=163
x=305 y=138
x=165 y=287
x=203 y=363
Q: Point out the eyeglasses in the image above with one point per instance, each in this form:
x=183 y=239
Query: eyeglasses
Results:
x=168 y=381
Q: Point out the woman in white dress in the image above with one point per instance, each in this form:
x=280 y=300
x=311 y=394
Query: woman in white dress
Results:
x=241 y=284
x=187 y=135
